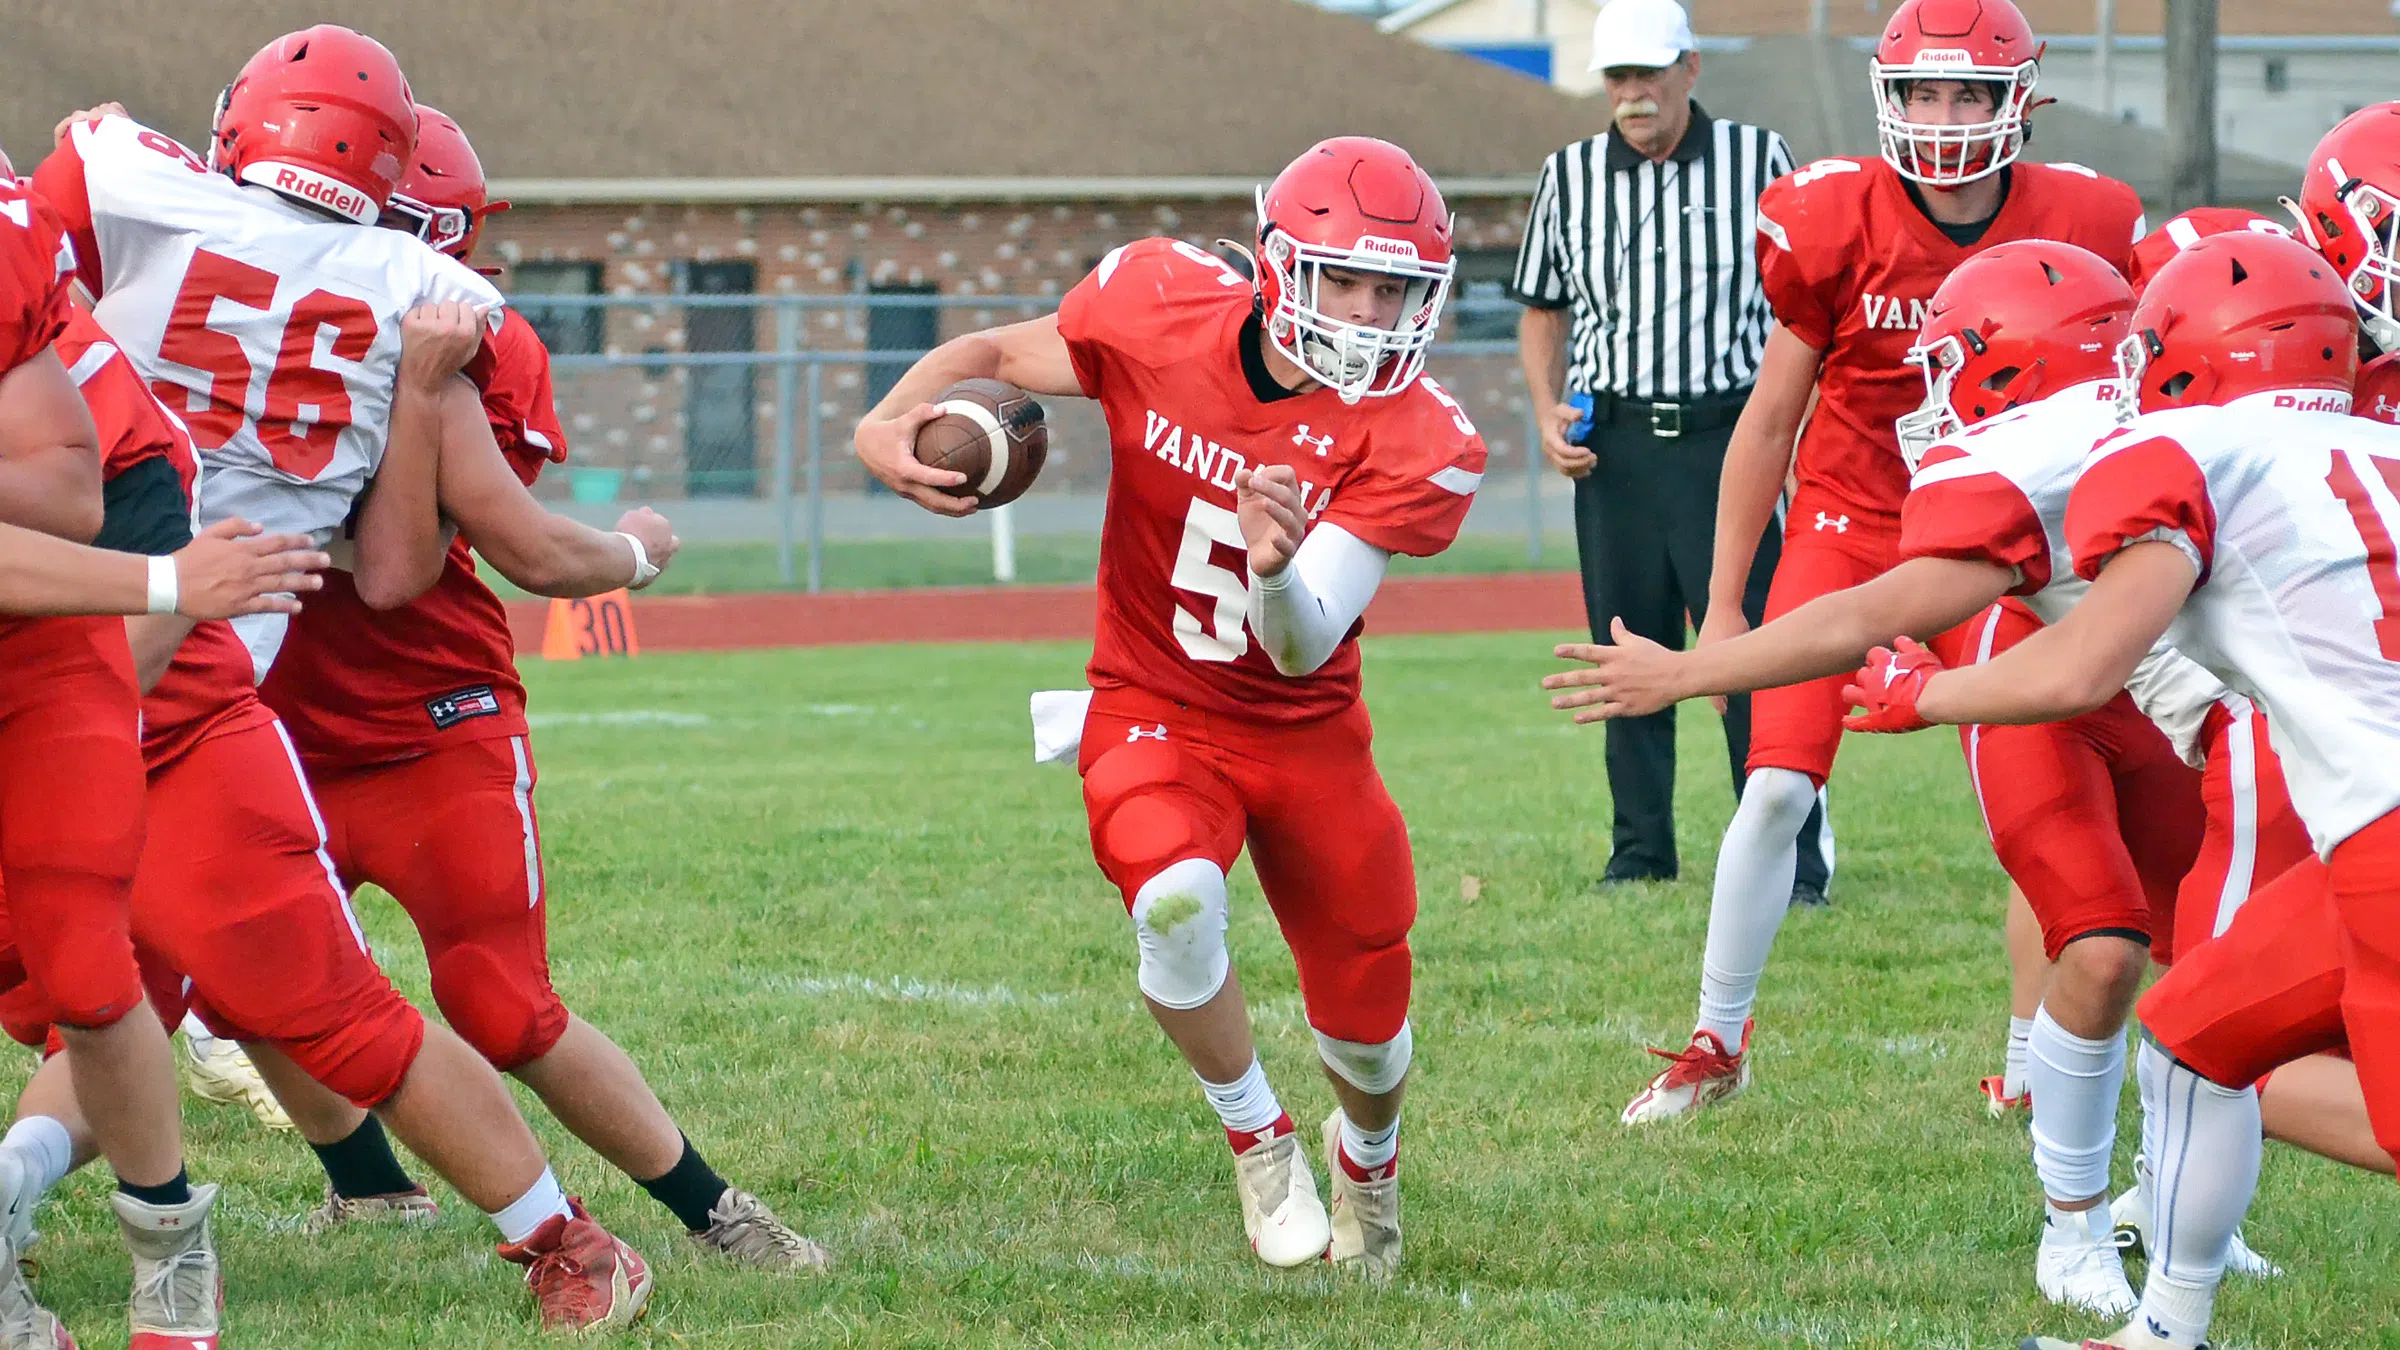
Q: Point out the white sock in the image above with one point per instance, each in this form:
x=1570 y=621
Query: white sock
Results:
x=2206 y=1171
x=47 y=1151
x=1755 y=866
x=1246 y=1104
x=1370 y=1149
x=2075 y=1082
x=531 y=1210
x=2012 y=1068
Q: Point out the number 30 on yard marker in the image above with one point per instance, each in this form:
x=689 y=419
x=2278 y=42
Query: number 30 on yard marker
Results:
x=600 y=625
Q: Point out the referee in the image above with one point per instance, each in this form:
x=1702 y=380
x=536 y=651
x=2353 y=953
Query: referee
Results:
x=1640 y=281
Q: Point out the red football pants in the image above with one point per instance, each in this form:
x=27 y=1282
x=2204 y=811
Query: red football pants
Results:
x=238 y=917
x=70 y=816
x=1164 y=783
x=452 y=836
x=2311 y=963
x=2254 y=835
x=2096 y=819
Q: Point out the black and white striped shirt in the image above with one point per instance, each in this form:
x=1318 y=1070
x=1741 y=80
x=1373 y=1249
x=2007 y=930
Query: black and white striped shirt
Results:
x=1657 y=261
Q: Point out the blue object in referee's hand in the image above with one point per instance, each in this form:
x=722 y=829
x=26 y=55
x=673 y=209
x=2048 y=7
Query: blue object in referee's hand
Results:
x=1581 y=402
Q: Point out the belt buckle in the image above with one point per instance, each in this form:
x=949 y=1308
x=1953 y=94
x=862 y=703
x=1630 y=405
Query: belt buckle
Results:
x=1666 y=420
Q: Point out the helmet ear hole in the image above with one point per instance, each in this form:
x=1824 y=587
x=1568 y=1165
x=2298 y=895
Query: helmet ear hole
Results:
x=2176 y=384
x=1999 y=380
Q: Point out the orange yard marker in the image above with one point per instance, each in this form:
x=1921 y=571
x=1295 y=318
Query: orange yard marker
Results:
x=599 y=625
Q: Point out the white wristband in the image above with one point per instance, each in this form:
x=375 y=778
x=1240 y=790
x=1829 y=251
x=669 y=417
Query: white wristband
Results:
x=166 y=592
x=642 y=570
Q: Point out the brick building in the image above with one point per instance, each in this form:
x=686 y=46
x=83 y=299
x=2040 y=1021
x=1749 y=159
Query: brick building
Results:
x=839 y=152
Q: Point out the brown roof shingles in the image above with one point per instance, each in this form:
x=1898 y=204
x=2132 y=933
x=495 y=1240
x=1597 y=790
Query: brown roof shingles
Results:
x=828 y=88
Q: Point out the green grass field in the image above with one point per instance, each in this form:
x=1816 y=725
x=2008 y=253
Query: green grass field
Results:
x=857 y=940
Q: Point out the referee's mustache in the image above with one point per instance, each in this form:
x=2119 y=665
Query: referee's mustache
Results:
x=1638 y=107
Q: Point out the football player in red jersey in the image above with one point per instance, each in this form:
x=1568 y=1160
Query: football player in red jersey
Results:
x=71 y=809
x=411 y=723
x=1954 y=82
x=2236 y=512
x=1274 y=444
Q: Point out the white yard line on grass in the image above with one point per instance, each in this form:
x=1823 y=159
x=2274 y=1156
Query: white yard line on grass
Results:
x=901 y=989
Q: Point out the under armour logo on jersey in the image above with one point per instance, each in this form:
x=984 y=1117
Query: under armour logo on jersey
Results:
x=1837 y=524
x=1322 y=444
x=1135 y=733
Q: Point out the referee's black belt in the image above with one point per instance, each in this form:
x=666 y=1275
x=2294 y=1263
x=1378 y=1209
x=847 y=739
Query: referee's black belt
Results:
x=1666 y=420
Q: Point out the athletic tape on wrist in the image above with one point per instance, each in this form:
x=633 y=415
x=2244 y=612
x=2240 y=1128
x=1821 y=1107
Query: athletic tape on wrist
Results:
x=166 y=590
x=642 y=569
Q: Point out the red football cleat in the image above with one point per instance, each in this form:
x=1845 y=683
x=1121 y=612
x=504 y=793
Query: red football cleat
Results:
x=1996 y=1101
x=582 y=1277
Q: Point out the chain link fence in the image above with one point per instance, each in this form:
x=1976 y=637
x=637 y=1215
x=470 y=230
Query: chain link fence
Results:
x=733 y=414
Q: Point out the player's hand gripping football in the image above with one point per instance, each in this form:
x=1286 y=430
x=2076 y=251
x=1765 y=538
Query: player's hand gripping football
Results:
x=658 y=538
x=1273 y=517
x=231 y=569
x=1633 y=678
x=1886 y=689
x=888 y=447
x=437 y=339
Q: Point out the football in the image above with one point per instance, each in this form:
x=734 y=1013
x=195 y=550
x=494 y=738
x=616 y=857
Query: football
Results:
x=992 y=432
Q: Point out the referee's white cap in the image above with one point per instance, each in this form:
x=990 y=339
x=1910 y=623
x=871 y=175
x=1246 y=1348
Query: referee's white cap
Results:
x=1648 y=33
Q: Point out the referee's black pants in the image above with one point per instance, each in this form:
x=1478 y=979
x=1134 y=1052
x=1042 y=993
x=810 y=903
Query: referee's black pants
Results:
x=1645 y=531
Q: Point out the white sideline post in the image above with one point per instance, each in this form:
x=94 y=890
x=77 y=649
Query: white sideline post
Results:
x=1004 y=542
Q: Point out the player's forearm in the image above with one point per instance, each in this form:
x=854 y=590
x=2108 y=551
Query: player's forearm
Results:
x=1756 y=460
x=564 y=559
x=399 y=537
x=2078 y=663
x=44 y=575
x=975 y=356
x=1542 y=353
x=1832 y=634
x=155 y=638
x=55 y=490
x=1302 y=613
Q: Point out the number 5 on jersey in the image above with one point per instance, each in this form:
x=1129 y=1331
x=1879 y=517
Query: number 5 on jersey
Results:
x=1221 y=636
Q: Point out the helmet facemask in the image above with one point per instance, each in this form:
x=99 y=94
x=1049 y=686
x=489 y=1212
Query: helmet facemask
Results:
x=1944 y=155
x=1355 y=360
x=445 y=228
x=2376 y=214
x=1934 y=419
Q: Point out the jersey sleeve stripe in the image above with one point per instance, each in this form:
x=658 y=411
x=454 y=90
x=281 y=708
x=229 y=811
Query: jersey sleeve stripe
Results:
x=1458 y=480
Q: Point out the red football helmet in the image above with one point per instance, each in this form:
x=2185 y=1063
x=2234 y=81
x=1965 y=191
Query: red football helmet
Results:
x=2349 y=209
x=2238 y=314
x=1353 y=204
x=2015 y=323
x=2188 y=229
x=1978 y=40
x=442 y=198
x=322 y=116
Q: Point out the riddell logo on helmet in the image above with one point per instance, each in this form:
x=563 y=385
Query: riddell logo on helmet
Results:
x=1390 y=248
x=1944 y=56
x=2332 y=403
x=320 y=189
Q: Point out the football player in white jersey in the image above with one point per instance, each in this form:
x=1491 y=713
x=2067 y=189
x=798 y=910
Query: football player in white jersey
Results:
x=2017 y=352
x=2246 y=518
x=256 y=296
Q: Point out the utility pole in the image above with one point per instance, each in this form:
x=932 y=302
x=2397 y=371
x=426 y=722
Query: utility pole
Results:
x=1818 y=20
x=2104 y=57
x=2191 y=104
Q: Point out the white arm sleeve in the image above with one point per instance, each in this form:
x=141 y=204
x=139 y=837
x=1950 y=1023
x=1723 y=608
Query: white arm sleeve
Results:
x=1303 y=612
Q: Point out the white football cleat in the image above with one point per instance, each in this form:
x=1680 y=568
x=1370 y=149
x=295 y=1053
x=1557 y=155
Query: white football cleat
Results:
x=220 y=1072
x=16 y=1205
x=1366 y=1214
x=2078 y=1266
x=1700 y=1075
x=2131 y=1214
x=1285 y=1221
x=24 y=1323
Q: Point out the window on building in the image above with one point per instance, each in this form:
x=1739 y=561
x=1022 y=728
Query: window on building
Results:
x=1479 y=309
x=720 y=402
x=898 y=328
x=2278 y=75
x=567 y=330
